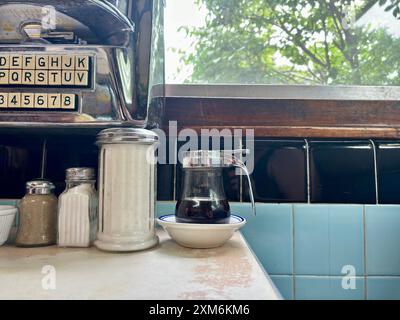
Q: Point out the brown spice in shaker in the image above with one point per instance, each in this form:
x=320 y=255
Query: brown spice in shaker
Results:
x=38 y=215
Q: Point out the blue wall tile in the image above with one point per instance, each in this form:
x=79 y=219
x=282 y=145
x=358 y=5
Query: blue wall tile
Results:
x=270 y=235
x=163 y=208
x=382 y=225
x=327 y=238
x=383 y=288
x=327 y=288
x=8 y=202
x=285 y=286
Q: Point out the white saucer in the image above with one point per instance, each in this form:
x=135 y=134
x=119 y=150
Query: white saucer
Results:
x=200 y=236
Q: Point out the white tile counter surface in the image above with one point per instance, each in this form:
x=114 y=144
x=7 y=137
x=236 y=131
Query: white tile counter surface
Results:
x=168 y=271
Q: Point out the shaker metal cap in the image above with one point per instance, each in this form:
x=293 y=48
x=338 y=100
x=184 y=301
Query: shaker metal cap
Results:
x=80 y=174
x=39 y=186
x=126 y=136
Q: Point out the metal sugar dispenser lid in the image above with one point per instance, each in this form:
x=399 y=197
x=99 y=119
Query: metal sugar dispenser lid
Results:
x=218 y=159
x=126 y=136
x=40 y=186
x=80 y=174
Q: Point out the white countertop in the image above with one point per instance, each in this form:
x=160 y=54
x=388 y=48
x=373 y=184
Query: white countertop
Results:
x=168 y=271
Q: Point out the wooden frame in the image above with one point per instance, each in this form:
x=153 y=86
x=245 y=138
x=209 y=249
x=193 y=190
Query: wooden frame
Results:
x=288 y=117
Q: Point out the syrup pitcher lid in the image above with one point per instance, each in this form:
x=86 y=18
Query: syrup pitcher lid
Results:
x=210 y=158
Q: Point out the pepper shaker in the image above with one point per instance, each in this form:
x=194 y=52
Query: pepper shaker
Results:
x=38 y=215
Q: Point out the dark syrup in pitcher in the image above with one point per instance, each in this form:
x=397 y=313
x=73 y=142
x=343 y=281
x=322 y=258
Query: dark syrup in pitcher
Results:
x=202 y=211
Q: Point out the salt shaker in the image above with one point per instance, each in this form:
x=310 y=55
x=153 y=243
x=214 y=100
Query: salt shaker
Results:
x=38 y=215
x=77 y=209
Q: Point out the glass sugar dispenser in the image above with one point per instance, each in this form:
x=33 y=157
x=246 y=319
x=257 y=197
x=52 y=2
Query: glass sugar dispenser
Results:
x=203 y=198
x=77 y=209
x=127 y=189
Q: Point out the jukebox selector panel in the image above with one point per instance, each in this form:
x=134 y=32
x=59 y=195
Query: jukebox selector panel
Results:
x=44 y=81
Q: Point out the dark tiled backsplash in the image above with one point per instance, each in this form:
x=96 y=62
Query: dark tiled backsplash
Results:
x=165 y=182
x=20 y=160
x=280 y=172
x=297 y=171
x=316 y=171
x=67 y=153
x=388 y=162
x=342 y=172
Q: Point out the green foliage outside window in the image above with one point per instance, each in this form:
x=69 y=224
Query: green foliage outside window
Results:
x=294 y=42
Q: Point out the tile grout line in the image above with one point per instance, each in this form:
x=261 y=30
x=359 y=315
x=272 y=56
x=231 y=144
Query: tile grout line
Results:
x=308 y=171
x=336 y=276
x=324 y=276
x=293 y=257
x=365 y=256
x=329 y=242
x=303 y=275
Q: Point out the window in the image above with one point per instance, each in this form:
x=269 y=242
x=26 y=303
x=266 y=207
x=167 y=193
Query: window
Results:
x=284 y=42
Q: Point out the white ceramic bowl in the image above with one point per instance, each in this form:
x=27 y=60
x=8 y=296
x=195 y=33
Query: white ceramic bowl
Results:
x=6 y=207
x=7 y=216
x=200 y=236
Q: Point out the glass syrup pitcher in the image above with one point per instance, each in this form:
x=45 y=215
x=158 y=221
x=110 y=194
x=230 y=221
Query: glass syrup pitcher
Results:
x=203 y=197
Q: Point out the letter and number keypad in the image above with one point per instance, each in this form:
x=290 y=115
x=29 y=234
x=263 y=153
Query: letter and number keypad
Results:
x=38 y=100
x=45 y=70
x=32 y=73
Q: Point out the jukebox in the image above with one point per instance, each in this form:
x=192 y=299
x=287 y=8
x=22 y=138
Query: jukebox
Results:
x=78 y=63
x=69 y=69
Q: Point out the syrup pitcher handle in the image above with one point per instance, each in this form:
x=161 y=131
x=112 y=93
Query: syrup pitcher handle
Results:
x=236 y=162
